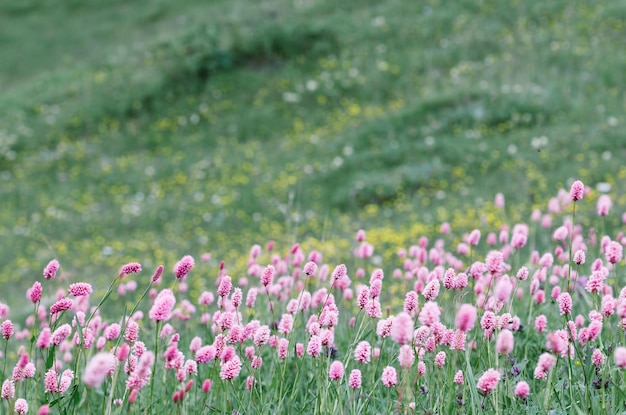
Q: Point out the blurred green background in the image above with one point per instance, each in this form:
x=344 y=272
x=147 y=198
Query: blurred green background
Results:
x=144 y=131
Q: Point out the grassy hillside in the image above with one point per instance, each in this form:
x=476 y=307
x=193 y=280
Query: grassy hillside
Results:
x=145 y=131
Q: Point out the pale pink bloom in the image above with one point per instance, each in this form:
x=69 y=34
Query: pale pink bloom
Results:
x=205 y=354
x=499 y=201
x=577 y=190
x=389 y=377
x=402 y=328
x=131 y=333
x=458 y=377
x=505 y=342
x=384 y=326
x=21 y=406
x=460 y=281
x=51 y=269
x=421 y=368
x=519 y=240
x=613 y=252
x=604 y=205
x=161 y=310
x=34 y=293
x=62 y=305
x=8 y=389
x=363 y=352
x=445 y=228
x=354 y=381
x=448 y=279
x=440 y=359
x=335 y=372
x=474 y=237
x=314 y=348
x=112 y=331
x=7 y=329
x=231 y=369
x=283 y=348
x=620 y=357
x=430 y=313
x=579 y=257
x=597 y=357
x=560 y=233
x=225 y=286
x=595 y=283
x=410 y=301
x=268 y=275
x=131 y=268
x=431 y=291
x=98 y=368
x=182 y=267
x=60 y=334
x=546 y=260
x=488 y=381
x=466 y=317
x=503 y=289
x=522 y=389
x=406 y=356
x=565 y=303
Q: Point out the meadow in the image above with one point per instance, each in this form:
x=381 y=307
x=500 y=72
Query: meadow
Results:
x=147 y=132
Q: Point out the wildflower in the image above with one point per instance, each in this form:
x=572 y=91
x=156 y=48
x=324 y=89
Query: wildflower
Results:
x=283 y=348
x=494 y=261
x=131 y=333
x=604 y=205
x=597 y=357
x=579 y=257
x=577 y=190
x=231 y=369
x=131 y=268
x=440 y=359
x=620 y=357
x=565 y=303
x=458 y=377
x=402 y=328
x=406 y=357
x=163 y=304
x=488 y=381
x=335 y=372
x=182 y=267
x=98 y=368
x=389 y=377
x=540 y=323
x=466 y=317
x=310 y=268
x=363 y=352
x=8 y=389
x=431 y=291
x=7 y=329
x=44 y=410
x=421 y=368
x=50 y=271
x=314 y=348
x=80 y=289
x=156 y=277
x=225 y=286
x=522 y=389
x=410 y=301
x=61 y=305
x=354 y=381
x=60 y=334
x=34 y=294
x=613 y=252
x=268 y=276
x=505 y=342
x=21 y=406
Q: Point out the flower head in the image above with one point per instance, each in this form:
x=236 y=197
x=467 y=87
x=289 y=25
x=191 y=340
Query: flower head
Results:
x=389 y=377
x=131 y=268
x=182 y=267
x=51 y=269
x=577 y=190
x=488 y=381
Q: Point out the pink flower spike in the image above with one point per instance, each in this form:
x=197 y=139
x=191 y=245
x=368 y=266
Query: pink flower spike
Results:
x=80 y=289
x=389 y=377
x=466 y=317
x=131 y=268
x=61 y=305
x=488 y=381
x=354 y=381
x=522 y=390
x=458 y=378
x=156 y=277
x=7 y=329
x=34 y=294
x=335 y=372
x=8 y=389
x=577 y=190
x=21 y=406
x=565 y=303
x=98 y=368
x=51 y=269
x=44 y=410
x=620 y=357
x=182 y=267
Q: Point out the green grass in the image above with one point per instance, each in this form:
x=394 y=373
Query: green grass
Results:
x=150 y=130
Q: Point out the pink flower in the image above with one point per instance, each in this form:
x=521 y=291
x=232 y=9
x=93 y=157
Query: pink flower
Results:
x=43 y=341
x=98 y=368
x=565 y=303
x=620 y=357
x=283 y=348
x=8 y=389
x=44 y=410
x=60 y=334
x=310 y=268
x=231 y=369
x=458 y=377
x=268 y=276
x=112 y=331
x=354 y=381
x=389 y=377
x=61 y=305
x=540 y=323
x=363 y=352
x=488 y=381
x=131 y=268
x=339 y=272
x=131 y=333
x=466 y=317
x=335 y=372
x=406 y=357
x=402 y=328
x=503 y=289
x=314 y=348
x=595 y=283
x=80 y=289
x=410 y=301
x=206 y=385
x=7 y=329
x=51 y=269
x=182 y=267
x=34 y=294
x=522 y=390
x=163 y=304
x=613 y=252
x=577 y=190
x=21 y=406
x=505 y=342
x=225 y=286
x=157 y=274
x=494 y=261
x=579 y=257
x=421 y=368
x=597 y=357
x=604 y=205
x=499 y=200
x=431 y=291
x=440 y=359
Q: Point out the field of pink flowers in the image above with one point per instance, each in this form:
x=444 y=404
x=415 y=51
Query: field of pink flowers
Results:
x=528 y=319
